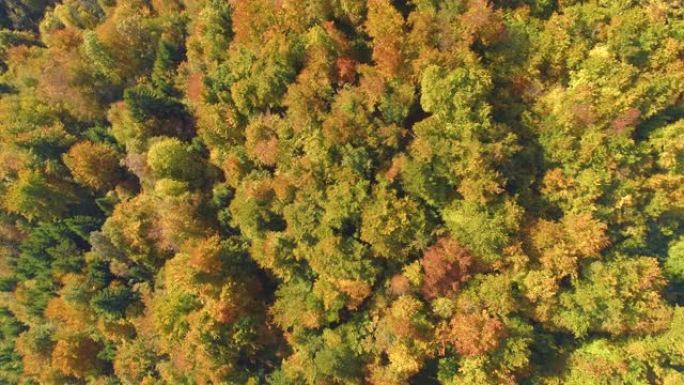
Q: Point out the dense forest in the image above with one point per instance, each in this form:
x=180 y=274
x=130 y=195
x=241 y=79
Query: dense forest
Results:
x=340 y=192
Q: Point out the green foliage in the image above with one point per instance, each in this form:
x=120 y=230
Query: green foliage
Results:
x=35 y=197
x=211 y=192
x=393 y=226
x=145 y=103
x=628 y=291
x=484 y=230
x=455 y=96
x=81 y=14
x=674 y=264
x=112 y=302
x=171 y=158
x=10 y=360
x=22 y=14
x=101 y=59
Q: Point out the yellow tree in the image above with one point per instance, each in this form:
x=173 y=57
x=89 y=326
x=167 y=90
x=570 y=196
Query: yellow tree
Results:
x=94 y=165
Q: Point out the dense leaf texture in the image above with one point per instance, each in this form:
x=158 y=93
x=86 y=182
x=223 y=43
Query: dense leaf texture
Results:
x=215 y=192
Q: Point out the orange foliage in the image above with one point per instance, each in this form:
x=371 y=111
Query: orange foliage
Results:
x=284 y=187
x=205 y=254
x=33 y=360
x=386 y=26
x=560 y=245
x=126 y=37
x=195 y=87
x=397 y=164
x=446 y=267
x=357 y=291
x=399 y=284
x=235 y=299
x=234 y=169
x=65 y=77
x=555 y=181
x=260 y=190
x=251 y=19
x=75 y=356
x=95 y=165
x=474 y=334
x=346 y=69
x=167 y=7
x=483 y=22
x=72 y=316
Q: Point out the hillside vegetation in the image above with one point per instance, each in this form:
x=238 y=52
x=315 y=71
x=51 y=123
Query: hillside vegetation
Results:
x=341 y=192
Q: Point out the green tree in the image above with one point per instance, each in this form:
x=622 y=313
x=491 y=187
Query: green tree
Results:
x=36 y=197
x=171 y=158
x=112 y=302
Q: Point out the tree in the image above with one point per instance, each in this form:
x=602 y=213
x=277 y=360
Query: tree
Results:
x=22 y=14
x=112 y=302
x=36 y=197
x=562 y=245
x=10 y=360
x=93 y=164
x=134 y=361
x=170 y=158
x=446 y=266
x=386 y=25
x=485 y=230
x=475 y=334
x=76 y=356
x=146 y=103
x=341 y=192
x=673 y=268
x=630 y=290
x=394 y=227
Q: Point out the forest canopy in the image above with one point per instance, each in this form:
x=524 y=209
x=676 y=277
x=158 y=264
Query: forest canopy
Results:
x=341 y=192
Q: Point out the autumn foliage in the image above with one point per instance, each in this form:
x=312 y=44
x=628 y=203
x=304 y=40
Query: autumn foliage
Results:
x=343 y=192
x=446 y=266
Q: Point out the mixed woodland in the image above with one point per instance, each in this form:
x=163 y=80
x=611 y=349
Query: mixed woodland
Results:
x=341 y=192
